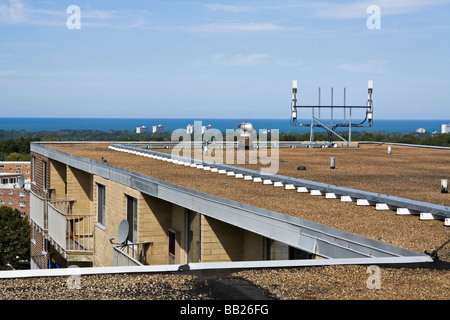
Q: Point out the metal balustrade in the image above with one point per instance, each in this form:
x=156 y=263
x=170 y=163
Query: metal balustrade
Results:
x=131 y=254
x=70 y=232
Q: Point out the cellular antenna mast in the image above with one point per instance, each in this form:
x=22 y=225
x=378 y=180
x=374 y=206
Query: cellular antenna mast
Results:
x=316 y=122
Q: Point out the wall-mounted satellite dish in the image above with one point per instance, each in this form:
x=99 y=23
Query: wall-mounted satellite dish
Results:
x=123 y=231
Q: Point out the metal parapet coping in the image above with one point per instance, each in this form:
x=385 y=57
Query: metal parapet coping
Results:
x=420 y=206
x=238 y=265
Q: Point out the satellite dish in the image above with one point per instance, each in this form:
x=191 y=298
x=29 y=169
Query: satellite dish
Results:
x=123 y=231
x=21 y=181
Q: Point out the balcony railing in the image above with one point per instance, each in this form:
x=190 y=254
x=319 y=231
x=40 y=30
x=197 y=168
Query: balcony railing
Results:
x=38 y=211
x=71 y=232
x=131 y=254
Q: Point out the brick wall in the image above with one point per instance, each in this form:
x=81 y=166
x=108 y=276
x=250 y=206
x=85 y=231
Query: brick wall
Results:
x=37 y=237
x=23 y=167
x=58 y=183
x=16 y=199
x=37 y=171
x=37 y=248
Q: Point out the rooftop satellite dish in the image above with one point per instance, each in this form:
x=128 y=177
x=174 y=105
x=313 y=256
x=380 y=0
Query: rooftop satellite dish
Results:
x=123 y=231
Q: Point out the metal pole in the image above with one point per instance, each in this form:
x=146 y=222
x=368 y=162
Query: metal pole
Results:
x=344 y=106
x=350 y=127
x=319 y=102
x=331 y=106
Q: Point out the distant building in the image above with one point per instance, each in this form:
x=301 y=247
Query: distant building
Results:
x=445 y=128
x=11 y=193
x=420 y=130
x=142 y=129
x=191 y=128
x=158 y=129
x=21 y=167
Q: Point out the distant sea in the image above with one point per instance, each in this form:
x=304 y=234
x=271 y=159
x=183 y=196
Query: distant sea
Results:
x=170 y=124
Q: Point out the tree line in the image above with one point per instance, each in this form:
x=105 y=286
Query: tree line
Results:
x=442 y=139
x=15 y=144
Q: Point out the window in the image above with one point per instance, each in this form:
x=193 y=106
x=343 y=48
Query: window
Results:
x=22 y=203
x=101 y=204
x=10 y=192
x=172 y=241
x=132 y=218
x=5 y=180
x=33 y=169
x=44 y=178
x=22 y=193
x=12 y=180
x=18 y=166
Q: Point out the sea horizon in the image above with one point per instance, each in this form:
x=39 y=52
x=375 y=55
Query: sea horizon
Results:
x=171 y=124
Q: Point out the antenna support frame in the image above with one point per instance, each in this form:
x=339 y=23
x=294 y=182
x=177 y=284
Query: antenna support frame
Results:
x=331 y=128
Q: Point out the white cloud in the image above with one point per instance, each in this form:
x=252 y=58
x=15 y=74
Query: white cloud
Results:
x=369 y=66
x=240 y=59
x=357 y=9
x=231 y=8
x=16 y=12
x=224 y=27
x=12 y=13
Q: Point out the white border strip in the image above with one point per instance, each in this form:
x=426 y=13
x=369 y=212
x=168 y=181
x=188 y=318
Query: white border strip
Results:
x=67 y=272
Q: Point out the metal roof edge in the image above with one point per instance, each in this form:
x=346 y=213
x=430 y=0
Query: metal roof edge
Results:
x=77 y=271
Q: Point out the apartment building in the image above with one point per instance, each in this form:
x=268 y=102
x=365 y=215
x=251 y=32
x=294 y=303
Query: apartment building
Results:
x=77 y=214
x=11 y=193
x=145 y=207
x=20 y=167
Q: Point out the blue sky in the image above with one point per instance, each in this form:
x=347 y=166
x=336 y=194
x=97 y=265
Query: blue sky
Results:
x=222 y=59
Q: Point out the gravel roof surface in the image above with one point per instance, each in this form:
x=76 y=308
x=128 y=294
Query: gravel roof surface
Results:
x=404 y=231
x=310 y=283
x=407 y=172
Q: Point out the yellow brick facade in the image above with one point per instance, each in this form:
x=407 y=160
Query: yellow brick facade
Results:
x=215 y=241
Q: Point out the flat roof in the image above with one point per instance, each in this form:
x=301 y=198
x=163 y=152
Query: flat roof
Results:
x=407 y=172
x=336 y=282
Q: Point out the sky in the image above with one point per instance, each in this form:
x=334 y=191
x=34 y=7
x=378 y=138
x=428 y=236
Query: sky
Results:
x=222 y=59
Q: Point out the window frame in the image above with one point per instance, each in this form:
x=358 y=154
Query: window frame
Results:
x=101 y=204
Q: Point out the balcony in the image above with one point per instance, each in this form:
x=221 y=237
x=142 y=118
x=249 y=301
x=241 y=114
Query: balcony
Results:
x=131 y=254
x=70 y=234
